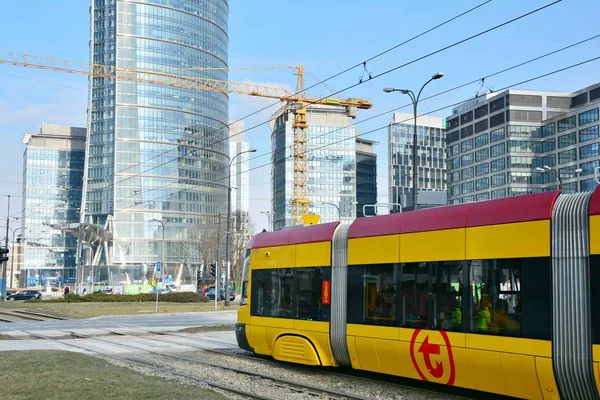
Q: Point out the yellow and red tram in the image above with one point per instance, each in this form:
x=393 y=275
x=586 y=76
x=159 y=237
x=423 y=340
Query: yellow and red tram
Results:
x=501 y=296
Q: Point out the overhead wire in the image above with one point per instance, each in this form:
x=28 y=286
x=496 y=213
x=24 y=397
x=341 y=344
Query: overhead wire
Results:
x=409 y=119
x=387 y=112
x=276 y=103
x=343 y=90
x=291 y=97
x=362 y=82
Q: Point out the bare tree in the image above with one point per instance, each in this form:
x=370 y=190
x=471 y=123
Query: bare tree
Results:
x=208 y=238
x=240 y=237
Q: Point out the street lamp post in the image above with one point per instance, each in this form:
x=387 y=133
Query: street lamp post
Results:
x=268 y=214
x=336 y=206
x=548 y=169
x=415 y=101
x=162 y=224
x=228 y=233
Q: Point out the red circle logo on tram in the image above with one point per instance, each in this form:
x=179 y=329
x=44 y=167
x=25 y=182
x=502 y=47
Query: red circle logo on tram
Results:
x=433 y=362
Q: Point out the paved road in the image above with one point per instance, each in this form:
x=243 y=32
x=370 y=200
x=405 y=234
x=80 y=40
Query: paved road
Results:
x=137 y=322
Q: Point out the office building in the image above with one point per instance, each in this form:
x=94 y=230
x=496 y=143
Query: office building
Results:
x=240 y=177
x=331 y=165
x=52 y=187
x=431 y=185
x=156 y=154
x=366 y=176
x=499 y=144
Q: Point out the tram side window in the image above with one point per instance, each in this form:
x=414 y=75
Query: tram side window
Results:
x=314 y=293
x=500 y=305
x=431 y=295
x=446 y=279
x=372 y=294
x=414 y=288
x=294 y=293
x=273 y=292
x=495 y=297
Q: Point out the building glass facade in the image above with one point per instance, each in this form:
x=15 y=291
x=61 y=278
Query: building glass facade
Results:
x=514 y=133
x=157 y=152
x=366 y=176
x=331 y=166
x=52 y=186
x=431 y=160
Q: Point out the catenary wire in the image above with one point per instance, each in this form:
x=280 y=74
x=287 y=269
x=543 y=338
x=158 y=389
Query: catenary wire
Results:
x=338 y=92
x=409 y=119
x=148 y=202
x=355 y=85
x=321 y=82
x=424 y=99
x=267 y=107
x=276 y=103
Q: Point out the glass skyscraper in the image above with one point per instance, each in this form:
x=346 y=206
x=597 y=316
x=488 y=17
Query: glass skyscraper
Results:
x=52 y=182
x=157 y=153
x=331 y=165
x=431 y=161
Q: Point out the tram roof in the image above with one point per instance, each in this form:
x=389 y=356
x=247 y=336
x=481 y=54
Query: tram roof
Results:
x=525 y=208
x=295 y=235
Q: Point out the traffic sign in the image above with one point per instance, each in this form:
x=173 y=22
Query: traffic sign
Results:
x=158 y=265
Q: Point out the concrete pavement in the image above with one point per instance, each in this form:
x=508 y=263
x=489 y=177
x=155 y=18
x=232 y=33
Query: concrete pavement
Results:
x=125 y=323
x=132 y=333
x=114 y=345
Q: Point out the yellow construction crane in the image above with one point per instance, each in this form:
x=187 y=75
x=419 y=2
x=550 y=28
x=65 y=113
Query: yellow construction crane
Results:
x=300 y=202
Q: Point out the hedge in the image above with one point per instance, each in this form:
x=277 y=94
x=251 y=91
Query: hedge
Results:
x=175 y=297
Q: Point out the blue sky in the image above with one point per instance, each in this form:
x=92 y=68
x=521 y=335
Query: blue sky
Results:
x=324 y=36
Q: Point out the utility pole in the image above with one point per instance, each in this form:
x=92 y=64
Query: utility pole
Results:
x=415 y=101
x=228 y=233
x=6 y=247
x=218 y=266
x=162 y=224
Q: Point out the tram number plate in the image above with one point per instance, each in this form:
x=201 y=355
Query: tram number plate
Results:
x=597 y=175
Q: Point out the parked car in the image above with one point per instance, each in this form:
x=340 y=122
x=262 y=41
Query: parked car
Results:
x=161 y=291
x=210 y=293
x=25 y=295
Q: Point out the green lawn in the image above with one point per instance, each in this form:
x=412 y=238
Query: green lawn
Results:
x=72 y=376
x=87 y=310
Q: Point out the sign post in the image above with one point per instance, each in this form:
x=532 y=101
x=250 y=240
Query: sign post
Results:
x=158 y=267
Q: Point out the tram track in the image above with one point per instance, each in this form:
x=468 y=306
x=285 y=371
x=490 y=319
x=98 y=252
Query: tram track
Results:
x=26 y=316
x=447 y=392
x=454 y=393
x=283 y=385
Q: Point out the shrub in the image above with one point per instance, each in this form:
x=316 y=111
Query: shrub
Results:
x=174 y=297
